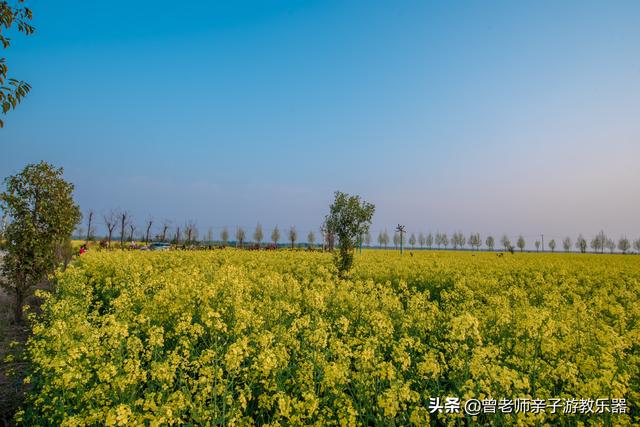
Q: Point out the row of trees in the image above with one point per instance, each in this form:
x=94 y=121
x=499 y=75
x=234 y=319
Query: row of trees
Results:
x=121 y=225
x=598 y=244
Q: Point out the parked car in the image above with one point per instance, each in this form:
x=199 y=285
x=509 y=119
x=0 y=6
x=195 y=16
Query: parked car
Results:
x=159 y=246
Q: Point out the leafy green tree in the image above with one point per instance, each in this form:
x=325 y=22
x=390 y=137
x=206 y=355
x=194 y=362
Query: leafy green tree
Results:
x=552 y=245
x=17 y=16
x=42 y=216
x=349 y=218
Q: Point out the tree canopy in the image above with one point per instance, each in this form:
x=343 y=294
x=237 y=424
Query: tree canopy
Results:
x=42 y=215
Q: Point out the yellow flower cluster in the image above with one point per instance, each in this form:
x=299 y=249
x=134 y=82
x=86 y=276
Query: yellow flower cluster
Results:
x=275 y=338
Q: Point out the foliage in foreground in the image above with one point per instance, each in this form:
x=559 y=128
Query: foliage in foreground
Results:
x=235 y=337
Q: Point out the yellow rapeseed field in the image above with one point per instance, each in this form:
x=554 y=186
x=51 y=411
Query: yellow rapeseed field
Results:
x=232 y=337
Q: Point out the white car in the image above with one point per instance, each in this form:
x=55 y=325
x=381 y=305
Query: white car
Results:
x=159 y=246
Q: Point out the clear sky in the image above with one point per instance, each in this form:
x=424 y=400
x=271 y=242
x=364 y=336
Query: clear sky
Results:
x=493 y=116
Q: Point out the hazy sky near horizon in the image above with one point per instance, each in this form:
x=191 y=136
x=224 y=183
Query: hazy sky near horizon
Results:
x=496 y=116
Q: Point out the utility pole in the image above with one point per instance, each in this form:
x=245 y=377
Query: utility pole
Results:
x=400 y=229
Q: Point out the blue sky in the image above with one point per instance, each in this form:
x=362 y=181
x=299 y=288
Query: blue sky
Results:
x=516 y=117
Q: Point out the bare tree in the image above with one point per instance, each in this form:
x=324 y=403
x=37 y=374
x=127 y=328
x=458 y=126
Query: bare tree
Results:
x=537 y=245
x=165 y=228
x=148 y=230
x=124 y=221
x=110 y=221
x=566 y=244
x=475 y=241
x=89 y=226
x=521 y=243
x=275 y=236
x=311 y=238
x=429 y=240
x=293 y=235
x=490 y=242
x=624 y=245
x=132 y=229
x=367 y=238
x=240 y=236
x=611 y=245
x=552 y=245
x=190 y=232
x=505 y=242
x=178 y=236
x=258 y=235
x=412 y=240
x=209 y=235
x=581 y=244
x=224 y=236
x=421 y=239
x=636 y=245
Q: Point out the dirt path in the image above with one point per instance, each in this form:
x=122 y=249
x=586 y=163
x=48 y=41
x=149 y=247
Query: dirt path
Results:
x=11 y=387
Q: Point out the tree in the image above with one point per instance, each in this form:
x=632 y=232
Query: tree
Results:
x=42 y=215
x=566 y=244
x=385 y=235
x=132 y=228
x=190 y=232
x=89 y=226
x=165 y=228
x=412 y=240
x=611 y=245
x=490 y=242
x=624 y=245
x=349 y=218
x=293 y=236
x=505 y=242
x=636 y=245
x=367 y=239
x=12 y=91
x=275 y=236
x=552 y=245
x=537 y=245
x=598 y=243
x=521 y=243
x=396 y=240
x=258 y=235
x=429 y=240
x=421 y=239
x=475 y=241
x=3 y=226
x=311 y=238
x=240 y=236
x=178 y=236
x=124 y=221
x=581 y=244
x=148 y=230
x=224 y=236
x=110 y=221
x=457 y=240
x=380 y=239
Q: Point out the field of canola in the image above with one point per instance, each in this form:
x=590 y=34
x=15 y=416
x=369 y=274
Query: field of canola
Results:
x=256 y=338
